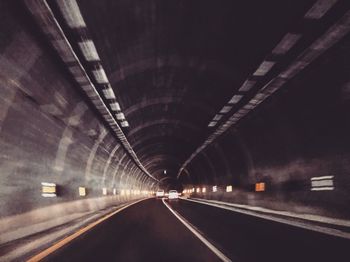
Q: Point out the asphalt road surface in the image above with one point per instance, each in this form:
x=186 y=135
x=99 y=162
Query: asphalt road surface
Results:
x=248 y=238
x=148 y=231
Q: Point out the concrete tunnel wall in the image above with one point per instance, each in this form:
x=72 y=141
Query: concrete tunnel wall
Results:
x=49 y=133
x=302 y=132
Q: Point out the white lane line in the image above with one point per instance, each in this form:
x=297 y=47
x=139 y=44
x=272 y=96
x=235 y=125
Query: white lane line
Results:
x=304 y=225
x=81 y=231
x=198 y=235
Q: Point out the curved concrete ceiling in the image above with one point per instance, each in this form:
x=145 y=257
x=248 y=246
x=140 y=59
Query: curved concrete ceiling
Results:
x=176 y=76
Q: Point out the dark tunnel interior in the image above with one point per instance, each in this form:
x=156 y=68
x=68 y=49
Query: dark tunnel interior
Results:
x=104 y=102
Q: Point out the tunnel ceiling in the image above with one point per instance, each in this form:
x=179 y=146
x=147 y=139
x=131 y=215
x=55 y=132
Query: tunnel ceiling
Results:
x=173 y=65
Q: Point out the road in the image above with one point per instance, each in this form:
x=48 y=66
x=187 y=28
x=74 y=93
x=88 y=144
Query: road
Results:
x=148 y=231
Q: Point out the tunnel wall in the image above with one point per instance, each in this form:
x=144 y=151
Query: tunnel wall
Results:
x=50 y=133
x=300 y=133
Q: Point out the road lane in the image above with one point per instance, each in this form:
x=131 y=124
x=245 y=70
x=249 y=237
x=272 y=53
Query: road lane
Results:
x=146 y=231
x=247 y=238
x=202 y=238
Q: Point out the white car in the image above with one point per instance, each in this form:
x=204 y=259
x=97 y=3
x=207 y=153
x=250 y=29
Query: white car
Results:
x=160 y=193
x=173 y=194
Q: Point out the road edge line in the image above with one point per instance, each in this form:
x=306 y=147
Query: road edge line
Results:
x=304 y=225
x=316 y=218
x=215 y=250
x=41 y=255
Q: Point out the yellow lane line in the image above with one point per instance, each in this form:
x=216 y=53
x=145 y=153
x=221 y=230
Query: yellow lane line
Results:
x=68 y=239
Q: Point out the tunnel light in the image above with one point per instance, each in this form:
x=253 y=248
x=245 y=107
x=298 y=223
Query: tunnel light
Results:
x=104 y=191
x=218 y=132
x=100 y=76
x=89 y=50
x=322 y=188
x=193 y=190
x=225 y=109
x=235 y=99
x=287 y=42
x=114 y=191
x=233 y=119
x=48 y=195
x=75 y=70
x=321 y=178
x=260 y=187
x=255 y=101
x=229 y=188
x=115 y=106
x=249 y=106
x=217 y=117
x=212 y=123
x=322 y=183
x=264 y=68
x=127 y=192
x=82 y=191
x=48 y=189
x=319 y=9
x=108 y=93
x=71 y=13
x=274 y=85
x=48 y=186
x=247 y=85
x=293 y=69
x=122 y=192
x=81 y=80
x=120 y=116
x=215 y=188
x=260 y=97
x=204 y=190
x=125 y=124
x=198 y=190
x=243 y=111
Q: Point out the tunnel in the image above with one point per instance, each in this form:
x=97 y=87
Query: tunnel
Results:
x=174 y=130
